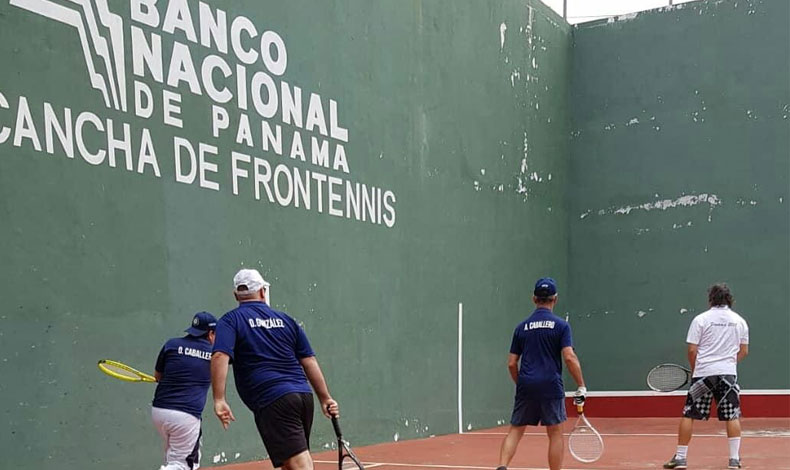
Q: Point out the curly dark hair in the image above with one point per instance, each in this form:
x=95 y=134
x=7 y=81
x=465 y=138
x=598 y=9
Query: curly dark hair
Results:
x=719 y=294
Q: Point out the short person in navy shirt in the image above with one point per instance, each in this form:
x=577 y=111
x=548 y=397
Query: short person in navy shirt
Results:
x=274 y=367
x=183 y=370
x=539 y=344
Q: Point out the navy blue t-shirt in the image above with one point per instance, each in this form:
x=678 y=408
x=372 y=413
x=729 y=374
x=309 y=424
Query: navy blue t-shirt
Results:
x=185 y=365
x=539 y=341
x=265 y=347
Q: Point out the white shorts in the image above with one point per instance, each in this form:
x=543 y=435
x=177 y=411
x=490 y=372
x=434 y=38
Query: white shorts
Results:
x=181 y=435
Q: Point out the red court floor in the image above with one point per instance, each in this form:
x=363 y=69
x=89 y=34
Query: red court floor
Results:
x=630 y=443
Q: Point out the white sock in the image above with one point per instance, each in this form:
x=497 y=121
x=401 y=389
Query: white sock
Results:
x=681 y=452
x=735 y=447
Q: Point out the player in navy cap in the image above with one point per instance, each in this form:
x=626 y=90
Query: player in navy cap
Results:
x=539 y=345
x=274 y=367
x=183 y=370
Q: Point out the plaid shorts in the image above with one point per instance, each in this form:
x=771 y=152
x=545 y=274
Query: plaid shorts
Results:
x=724 y=388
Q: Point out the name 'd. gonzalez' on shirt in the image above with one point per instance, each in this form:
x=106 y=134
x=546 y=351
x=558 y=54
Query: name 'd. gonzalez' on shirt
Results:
x=267 y=323
x=194 y=353
x=534 y=325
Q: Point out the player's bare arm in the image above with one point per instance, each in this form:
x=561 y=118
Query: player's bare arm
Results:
x=512 y=366
x=573 y=364
x=692 y=355
x=219 y=376
x=316 y=378
x=743 y=352
x=158 y=376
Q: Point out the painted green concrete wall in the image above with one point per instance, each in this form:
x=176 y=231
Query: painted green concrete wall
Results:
x=456 y=115
x=680 y=177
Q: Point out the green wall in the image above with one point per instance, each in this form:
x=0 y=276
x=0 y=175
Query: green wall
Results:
x=468 y=132
x=680 y=178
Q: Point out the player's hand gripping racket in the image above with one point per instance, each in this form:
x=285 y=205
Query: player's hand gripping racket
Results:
x=585 y=444
x=123 y=372
x=668 y=377
x=346 y=460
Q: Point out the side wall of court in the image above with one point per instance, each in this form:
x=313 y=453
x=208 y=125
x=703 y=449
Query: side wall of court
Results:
x=426 y=166
x=680 y=177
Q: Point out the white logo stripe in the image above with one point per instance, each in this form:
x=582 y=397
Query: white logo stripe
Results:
x=114 y=23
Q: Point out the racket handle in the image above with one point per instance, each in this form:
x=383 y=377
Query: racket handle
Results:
x=335 y=424
x=580 y=408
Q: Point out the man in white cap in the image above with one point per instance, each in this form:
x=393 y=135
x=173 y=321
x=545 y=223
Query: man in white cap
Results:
x=274 y=367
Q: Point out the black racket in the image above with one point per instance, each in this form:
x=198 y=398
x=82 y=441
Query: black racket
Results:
x=346 y=460
x=668 y=377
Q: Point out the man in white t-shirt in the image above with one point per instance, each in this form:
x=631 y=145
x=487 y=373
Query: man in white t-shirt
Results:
x=717 y=340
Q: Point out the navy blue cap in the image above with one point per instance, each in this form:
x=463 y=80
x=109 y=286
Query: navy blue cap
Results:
x=545 y=287
x=202 y=323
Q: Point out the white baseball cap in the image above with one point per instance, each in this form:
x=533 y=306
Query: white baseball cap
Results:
x=249 y=280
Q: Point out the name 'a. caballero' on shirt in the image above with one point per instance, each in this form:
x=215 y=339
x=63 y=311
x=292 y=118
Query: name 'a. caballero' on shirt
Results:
x=534 y=325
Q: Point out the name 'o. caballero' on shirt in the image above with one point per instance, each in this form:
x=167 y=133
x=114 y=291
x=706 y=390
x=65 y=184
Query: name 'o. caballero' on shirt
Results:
x=194 y=353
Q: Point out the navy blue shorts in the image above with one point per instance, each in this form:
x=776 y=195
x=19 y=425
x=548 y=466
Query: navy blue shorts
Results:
x=534 y=411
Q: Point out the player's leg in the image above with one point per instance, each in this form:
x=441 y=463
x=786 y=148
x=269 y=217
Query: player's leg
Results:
x=685 y=431
x=285 y=431
x=303 y=460
x=157 y=417
x=698 y=404
x=525 y=413
x=510 y=444
x=183 y=445
x=728 y=401
x=556 y=446
x=552 y=415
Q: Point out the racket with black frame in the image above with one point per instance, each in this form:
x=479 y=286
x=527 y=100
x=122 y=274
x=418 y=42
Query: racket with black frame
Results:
x=668 y=377
x=584 y=442
x=121 y=371
x=346 y=460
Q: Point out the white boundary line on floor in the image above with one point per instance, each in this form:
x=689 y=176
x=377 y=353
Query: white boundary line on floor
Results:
x=428 y=465
x=785 y=435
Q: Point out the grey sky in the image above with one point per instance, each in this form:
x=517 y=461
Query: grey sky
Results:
x=588 y=10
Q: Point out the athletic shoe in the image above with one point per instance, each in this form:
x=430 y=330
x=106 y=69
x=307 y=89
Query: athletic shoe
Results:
x=734 y=463
x=501 y=468
x=675 y=462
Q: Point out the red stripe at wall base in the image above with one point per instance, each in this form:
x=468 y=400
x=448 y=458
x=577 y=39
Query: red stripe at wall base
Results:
x=671 y=405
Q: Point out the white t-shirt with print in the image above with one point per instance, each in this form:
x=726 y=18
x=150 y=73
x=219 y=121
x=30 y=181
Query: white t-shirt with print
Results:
x=719 y=334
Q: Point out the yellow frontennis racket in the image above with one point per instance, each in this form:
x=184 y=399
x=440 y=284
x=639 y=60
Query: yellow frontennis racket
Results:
x=123 y=372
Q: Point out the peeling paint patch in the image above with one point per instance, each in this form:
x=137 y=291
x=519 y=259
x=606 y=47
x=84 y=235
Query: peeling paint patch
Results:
x=502 y=29
x=664 y=204
x=514 y=75
x=585 y=214
x=641 y=313
x=626 y=17
x=632 y=122
x=684 y=311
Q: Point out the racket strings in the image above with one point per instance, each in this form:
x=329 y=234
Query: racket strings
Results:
x=667 y=378
x=585 y=444
x=120 y=370
x=350 y=464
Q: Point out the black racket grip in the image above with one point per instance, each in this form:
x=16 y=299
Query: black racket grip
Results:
x=335 y=424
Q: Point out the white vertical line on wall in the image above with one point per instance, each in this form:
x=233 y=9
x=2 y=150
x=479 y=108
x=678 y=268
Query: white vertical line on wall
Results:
x=460 y=368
